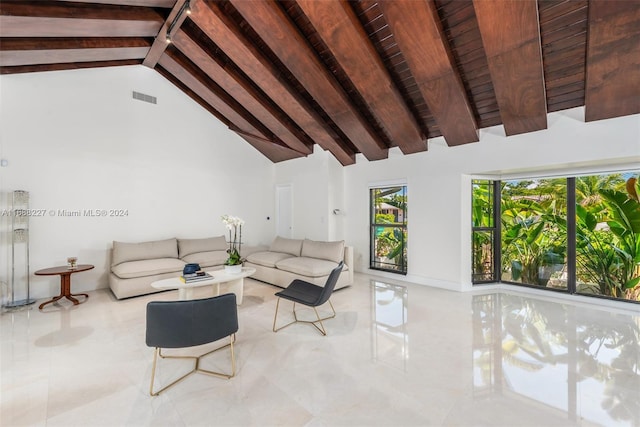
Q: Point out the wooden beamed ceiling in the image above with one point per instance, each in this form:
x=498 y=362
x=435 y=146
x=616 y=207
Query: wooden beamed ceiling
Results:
x=354 y=77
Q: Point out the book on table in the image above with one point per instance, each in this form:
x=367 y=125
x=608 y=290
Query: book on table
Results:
x=195 y=277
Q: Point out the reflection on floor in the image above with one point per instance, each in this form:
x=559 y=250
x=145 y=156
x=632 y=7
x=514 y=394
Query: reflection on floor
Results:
x=396 y=354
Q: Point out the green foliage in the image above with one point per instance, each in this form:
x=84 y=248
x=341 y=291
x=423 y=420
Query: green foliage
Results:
x=234 y=257
x=385 y=218
x=482 y=209
x=390 y=242
x=610 y=259
x=533 y=233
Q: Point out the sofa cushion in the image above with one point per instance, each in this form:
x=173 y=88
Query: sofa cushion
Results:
x=304 y=266
x=123 y=252
x=287 y=246
x=147 y=267
x=207 y=259
x=331 y=251
x=192 y=246
x=268 y=259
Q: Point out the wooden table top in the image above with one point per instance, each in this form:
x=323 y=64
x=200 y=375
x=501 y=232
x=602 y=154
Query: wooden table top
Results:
x=63 y=269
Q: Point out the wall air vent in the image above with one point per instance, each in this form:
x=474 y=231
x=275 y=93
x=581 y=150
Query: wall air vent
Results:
x=146 y=98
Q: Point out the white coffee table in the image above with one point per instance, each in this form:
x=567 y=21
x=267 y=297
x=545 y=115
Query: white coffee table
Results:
x=234 y=282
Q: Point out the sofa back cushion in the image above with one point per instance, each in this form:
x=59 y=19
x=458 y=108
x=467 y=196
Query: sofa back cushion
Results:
x=287 y=246
x=123 y=252
x=193 y=246
x=331 y=251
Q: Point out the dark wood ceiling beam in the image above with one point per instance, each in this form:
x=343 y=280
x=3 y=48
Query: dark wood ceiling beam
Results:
x=79 y=11
x=339 y=28
x=273 y=152
x=417 y=30
x=613 y=60
x=160 y=43
x=278 y=32
x=50 y=43
x=213 y=22
x=236 y=118
x=242 y=91
x=58 y=56
x=511 y=37
x=67 y=66
x=40 y=19
x=63 y=27
x=167 y=4
x=17 y=51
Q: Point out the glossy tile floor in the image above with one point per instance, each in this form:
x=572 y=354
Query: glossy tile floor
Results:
x=396 y=355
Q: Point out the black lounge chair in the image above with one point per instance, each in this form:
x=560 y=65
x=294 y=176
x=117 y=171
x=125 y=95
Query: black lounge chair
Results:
x=311 y=295
x=180 y=324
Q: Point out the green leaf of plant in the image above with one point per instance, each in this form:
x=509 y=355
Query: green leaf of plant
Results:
x=586 y=218
x=516 y=269
x=535 y=233
x=625 y=211
x=632 y=283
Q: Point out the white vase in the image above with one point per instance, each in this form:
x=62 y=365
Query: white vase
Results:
x=233 y=269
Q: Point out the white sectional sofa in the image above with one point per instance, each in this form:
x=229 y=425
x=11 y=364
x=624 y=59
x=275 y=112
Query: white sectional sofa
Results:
x=309 y=260
x=134 y=266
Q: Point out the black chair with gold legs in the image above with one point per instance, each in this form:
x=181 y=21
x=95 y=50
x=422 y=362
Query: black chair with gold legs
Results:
x=181 y=324
x=311 y=295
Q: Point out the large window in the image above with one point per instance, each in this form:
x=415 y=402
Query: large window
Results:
x=579 y=235
x=388 y=207
x=534 y=235
x=608 y=235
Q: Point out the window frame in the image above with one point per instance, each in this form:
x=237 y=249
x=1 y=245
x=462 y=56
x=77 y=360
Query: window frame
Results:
x=373 y=225
x=571 y=236
x=495 y=231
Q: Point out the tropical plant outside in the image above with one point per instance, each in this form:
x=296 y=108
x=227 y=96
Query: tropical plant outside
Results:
x=483 y=232
x=534 y=242
x=608 y=240
x=533 y=222
x=389 y=228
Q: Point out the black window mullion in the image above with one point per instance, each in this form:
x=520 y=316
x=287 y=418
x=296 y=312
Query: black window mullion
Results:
x=571 y=235
x=497 y=234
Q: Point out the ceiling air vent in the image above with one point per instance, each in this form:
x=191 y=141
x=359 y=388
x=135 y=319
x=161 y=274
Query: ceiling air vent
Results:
x=146 y=98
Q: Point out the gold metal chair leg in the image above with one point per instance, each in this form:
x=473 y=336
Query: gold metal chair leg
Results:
x=276 y=316
x=296 y=320
x=321 y=327
x=153 y=370
x=196 y=368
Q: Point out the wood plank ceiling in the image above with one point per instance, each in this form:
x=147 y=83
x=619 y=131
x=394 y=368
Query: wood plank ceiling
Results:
x=356 y=76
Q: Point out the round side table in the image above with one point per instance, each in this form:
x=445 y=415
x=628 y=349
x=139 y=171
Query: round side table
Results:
x=65 y=282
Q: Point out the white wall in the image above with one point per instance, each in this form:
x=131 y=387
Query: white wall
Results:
x=317 y=183
x=77 y=140
x=439 y=188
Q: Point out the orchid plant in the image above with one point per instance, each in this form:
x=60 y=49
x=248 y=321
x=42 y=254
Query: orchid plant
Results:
x=234 y=225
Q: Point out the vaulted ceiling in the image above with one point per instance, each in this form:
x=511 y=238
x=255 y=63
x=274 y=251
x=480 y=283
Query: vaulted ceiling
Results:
x=351 y=76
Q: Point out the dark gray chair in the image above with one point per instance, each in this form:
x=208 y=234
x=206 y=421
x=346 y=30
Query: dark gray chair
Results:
x=305 y=293
x=180 y=324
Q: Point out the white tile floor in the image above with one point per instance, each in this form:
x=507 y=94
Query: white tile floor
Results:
x=395 y=355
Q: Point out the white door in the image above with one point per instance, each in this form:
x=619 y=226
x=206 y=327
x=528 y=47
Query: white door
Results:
x=284 y=210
